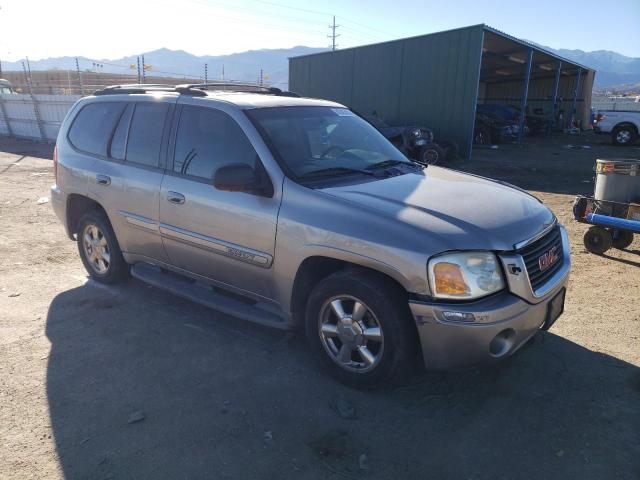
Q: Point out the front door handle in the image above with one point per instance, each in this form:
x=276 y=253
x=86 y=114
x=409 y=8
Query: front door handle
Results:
x=175 y=197
x=103 y=179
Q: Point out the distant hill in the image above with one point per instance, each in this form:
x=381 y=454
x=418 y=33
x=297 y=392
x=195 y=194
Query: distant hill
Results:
x=613 y=68
x=243 y=66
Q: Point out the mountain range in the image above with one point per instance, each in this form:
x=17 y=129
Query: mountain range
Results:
x=613 y=69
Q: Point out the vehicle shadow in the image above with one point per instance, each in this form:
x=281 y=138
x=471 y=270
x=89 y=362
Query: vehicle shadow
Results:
x=142 y=384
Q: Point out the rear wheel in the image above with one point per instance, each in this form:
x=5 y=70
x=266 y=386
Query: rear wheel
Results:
x=622 y=239
x=624 y=135
x=431 y=154
x=99 y=248
x=598 y=240
x=359 y=324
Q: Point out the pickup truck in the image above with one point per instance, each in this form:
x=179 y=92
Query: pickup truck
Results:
x=622 y=125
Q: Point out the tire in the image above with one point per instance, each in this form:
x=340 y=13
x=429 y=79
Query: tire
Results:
x=99 y=249
x=624 y=135
x=431 y=154
x=622 y=239
x=450 y=150
x=383 y=305
x=598 y=240
x=482 y=136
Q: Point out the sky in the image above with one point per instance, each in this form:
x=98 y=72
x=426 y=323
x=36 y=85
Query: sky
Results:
x=113 y=29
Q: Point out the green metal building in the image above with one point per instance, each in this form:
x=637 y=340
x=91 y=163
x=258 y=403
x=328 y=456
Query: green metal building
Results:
x=437 y=80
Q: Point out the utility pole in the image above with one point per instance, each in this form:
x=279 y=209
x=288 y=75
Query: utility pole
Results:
x=79 y=77
x=144 y=75
x=261 y=76
x=333 y=35
x=206 y=79
x=223 y=72
x=139 y=81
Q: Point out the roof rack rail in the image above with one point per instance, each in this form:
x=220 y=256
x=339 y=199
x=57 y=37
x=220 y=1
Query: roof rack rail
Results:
x=135 y=88
x=194 y=89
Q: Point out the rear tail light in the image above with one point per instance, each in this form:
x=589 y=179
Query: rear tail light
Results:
x=55 y=163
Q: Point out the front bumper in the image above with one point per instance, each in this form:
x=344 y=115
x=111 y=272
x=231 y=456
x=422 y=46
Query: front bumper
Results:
x=494 y=328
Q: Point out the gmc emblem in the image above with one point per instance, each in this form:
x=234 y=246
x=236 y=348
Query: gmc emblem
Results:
x=547 y=259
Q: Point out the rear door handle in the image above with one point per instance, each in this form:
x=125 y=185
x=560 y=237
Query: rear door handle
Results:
x=175 y=197
x=103 y=179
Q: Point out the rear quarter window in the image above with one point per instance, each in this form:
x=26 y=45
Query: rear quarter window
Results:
x=93 y=126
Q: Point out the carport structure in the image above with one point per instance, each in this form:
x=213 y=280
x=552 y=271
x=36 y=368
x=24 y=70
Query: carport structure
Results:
x=437 y=80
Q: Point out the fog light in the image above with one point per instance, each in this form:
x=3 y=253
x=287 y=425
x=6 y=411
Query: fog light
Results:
x=502 y=343
x=459 y=316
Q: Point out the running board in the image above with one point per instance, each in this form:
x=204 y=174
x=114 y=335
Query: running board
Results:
x=207 y=295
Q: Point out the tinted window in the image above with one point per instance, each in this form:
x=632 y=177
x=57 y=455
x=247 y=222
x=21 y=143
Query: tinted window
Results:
x=93 y=126
x=119 y=140
x=145 y=133
x=208 y=139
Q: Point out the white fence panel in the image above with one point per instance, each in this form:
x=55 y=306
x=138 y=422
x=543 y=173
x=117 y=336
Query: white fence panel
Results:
x=18 y=114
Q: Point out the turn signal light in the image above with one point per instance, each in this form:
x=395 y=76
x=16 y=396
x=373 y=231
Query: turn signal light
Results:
x=449 y=279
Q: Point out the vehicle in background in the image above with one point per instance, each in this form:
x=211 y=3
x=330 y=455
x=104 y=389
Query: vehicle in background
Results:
x=623 y=126
x=379 y=260
x=533 y=124
x=6 y=86
x=414 y=142
x=490 y=129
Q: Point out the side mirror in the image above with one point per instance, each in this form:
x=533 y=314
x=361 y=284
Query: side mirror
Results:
x=240 y=177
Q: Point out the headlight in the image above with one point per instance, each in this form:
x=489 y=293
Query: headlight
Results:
x=416 y=133
x=464 y=275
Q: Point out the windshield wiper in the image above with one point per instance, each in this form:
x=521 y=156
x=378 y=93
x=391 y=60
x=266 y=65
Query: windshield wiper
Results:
x=390 y=163
x=332 y=171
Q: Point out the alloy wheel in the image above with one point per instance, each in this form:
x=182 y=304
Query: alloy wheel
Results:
x=351 y=334
x=623 y=136
x=96 y=249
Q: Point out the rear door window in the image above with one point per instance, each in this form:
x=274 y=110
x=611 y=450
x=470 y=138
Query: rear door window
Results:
x=145 y=133
x=93 y=126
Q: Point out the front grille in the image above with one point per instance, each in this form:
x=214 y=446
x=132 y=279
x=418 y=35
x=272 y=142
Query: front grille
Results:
x=532 y=253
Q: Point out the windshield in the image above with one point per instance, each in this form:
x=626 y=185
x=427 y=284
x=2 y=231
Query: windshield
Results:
x=325 y=141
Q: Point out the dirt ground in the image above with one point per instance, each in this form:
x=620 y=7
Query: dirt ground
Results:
x=130 y=382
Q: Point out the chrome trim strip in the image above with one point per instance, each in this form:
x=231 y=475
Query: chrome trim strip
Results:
x=139 y=221
x=217 y=246
x=538 y=236
x=519 y=283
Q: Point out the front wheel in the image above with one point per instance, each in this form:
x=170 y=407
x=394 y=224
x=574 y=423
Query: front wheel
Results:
x=359 y=324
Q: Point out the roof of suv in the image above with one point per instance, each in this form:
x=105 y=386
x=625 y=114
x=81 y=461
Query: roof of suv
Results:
x=247 y=100
x=244 y=96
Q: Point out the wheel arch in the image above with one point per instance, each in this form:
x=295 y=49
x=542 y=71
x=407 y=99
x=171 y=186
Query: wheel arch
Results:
x=78 y=205
x=315 y=268
x=626 y=124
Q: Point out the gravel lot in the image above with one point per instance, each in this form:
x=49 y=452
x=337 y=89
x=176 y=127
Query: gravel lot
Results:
x=131 y=382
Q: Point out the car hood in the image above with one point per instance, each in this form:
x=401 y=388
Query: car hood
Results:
x=453 y=209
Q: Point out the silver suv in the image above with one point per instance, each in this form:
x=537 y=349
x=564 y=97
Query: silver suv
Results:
x=295 y=212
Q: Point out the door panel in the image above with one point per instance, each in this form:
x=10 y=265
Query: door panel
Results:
x=226 y=236
x=133 y=190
